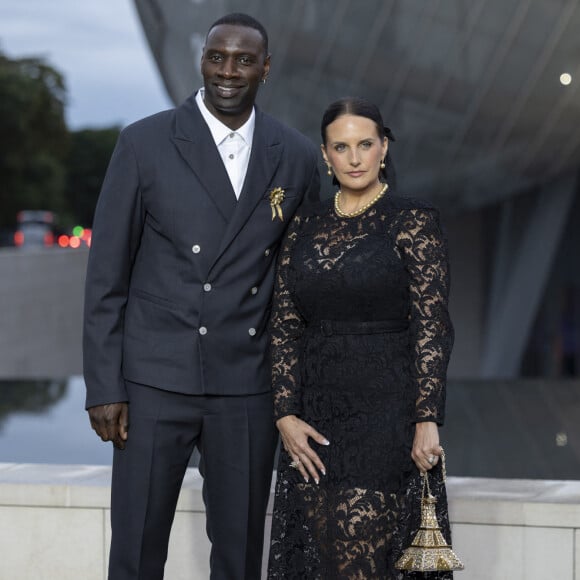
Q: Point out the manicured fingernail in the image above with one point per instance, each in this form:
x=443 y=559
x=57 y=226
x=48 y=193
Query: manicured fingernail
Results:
x=326 y=442
x=323 y=471
x=306 y=479
x=317 y=481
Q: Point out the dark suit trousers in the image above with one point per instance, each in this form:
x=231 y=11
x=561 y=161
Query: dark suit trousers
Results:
x=236 y=438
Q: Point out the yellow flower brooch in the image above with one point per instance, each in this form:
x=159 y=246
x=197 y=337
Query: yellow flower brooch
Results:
x=276 y=199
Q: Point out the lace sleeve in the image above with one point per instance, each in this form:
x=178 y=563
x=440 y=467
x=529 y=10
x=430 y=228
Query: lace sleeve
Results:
x=286 y=327
x=424 y=249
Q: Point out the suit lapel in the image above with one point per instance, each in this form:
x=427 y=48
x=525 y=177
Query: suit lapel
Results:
x=264 y=159
x=192 y=137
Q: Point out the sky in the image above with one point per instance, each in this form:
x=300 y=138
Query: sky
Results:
x=99 y=47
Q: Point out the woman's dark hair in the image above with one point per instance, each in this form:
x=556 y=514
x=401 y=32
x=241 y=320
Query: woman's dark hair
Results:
x=241 y=19
x=361 y=108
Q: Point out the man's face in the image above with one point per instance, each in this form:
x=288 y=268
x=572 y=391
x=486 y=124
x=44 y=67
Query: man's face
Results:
x=233 y=64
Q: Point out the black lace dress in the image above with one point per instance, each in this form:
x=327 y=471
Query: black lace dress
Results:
x=361 y=340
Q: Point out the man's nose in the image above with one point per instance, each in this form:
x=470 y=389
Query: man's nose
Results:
x=228 y=68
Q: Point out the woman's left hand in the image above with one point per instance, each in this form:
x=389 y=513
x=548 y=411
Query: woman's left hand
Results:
x=426 y=449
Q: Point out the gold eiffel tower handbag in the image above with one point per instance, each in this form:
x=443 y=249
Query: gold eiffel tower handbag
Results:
x=429 y=552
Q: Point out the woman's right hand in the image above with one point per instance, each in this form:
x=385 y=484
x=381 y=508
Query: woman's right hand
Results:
x=295 y=433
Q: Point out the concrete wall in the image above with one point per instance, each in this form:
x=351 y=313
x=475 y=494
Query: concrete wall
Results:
x=41 y=301
x=467 y=296
x=54 y=523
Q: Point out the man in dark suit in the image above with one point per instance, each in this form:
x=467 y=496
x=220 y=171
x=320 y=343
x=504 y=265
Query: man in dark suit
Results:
x=178 y=292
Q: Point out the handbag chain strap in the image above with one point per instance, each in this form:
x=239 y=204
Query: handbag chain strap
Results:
x=426 y=475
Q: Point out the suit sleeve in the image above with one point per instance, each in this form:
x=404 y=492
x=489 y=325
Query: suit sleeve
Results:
x=312 y=192
x=116 y=235
x=312 y=195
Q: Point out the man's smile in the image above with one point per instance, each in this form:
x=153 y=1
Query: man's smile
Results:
x=227 y=91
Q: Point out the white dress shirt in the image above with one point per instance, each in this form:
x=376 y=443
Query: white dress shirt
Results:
x=234 y=146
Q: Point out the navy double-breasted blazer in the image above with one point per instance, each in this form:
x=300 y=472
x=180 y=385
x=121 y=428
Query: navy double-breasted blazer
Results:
x=180 y=273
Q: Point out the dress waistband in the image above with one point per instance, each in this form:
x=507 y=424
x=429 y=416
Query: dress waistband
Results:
x=330 y=327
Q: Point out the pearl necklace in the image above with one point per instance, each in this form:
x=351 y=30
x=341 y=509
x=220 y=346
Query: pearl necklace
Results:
x=360 y=210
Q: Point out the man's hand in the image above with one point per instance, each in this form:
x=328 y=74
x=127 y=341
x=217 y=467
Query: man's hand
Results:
x=111 y=422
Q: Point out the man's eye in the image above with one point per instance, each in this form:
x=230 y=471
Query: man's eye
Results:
x=244 y=60
x=215 y=58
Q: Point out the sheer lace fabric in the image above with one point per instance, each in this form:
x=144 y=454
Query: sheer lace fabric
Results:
x=361 y=339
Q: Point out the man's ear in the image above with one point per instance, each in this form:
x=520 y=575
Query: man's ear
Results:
x=267 y=62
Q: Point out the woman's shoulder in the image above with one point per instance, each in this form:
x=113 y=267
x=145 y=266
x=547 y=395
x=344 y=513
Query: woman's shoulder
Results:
x=405 y=203
x=321 y=207
x=412 y=213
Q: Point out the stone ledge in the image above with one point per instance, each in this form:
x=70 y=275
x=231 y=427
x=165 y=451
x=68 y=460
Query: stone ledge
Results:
x=55 y=524
x=514 y=502
x=86 y=486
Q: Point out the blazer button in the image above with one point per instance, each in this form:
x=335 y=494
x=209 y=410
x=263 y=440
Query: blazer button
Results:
x=267 y=252
x=254 y=290
x=196 y=249
x=252 y=332
x=207 y=287
x=202 y=330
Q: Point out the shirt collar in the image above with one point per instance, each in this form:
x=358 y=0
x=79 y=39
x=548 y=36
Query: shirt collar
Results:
x=218 y=130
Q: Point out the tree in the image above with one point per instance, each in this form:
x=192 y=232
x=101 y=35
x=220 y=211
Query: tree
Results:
x=30 y=396
x=35 y=138
x=87 y=162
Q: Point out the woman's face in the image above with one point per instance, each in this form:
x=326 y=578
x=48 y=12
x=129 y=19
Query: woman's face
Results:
x=354 y=151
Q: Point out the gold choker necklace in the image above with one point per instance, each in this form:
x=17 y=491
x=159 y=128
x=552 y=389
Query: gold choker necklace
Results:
x=360 y=210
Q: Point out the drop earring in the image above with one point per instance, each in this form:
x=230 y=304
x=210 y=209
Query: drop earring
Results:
x=382 y=164
x=328 y=169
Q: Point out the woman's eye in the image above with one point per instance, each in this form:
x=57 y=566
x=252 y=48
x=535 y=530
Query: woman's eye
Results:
x=366 y=144
x=339 y=147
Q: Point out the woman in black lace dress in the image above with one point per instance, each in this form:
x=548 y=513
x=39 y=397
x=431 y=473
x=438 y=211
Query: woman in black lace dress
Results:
x=361 y=340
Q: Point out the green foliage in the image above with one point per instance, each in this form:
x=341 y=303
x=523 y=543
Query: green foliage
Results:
x=34 y=397
x=34 y=137
x=87 y=162
x=42 y=164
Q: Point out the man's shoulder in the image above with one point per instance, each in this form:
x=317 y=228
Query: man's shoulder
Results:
x=287 y=134
x=151 y=124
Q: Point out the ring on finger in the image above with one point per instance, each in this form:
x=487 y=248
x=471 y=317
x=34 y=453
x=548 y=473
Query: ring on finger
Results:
x=295 y=464
x=431 y=459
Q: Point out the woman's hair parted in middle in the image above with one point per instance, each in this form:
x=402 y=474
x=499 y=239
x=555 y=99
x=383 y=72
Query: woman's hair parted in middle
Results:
x=361 y=108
